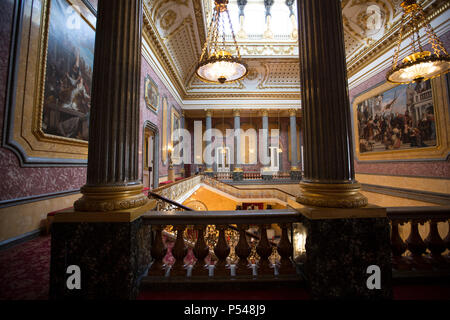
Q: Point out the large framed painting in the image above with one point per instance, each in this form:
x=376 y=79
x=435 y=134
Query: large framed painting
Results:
x=402 y=122
x=151 y=94
x=48 y=112
x=175 y=124
x=68 y=73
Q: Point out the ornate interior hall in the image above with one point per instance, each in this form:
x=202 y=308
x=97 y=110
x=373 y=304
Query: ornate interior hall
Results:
x=224 y=149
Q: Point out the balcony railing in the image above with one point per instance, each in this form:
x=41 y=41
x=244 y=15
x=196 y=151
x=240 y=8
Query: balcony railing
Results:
x=416 y=252
x=229 y=245
x=239 y=255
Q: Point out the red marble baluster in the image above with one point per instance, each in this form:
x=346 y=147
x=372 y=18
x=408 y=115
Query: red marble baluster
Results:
x=158 y=252
x=264 y=250
x=285 y=251
x=222 y=250
x=243 y=251
x=201 y=251
x=179 y=251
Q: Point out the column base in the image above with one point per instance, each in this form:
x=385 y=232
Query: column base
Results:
x=295 y=174
x=112 y=257
x=110 y=198
x=335 y=195
x=209 y=172
x=339 y=252
x=171 y=174
x=238 y=174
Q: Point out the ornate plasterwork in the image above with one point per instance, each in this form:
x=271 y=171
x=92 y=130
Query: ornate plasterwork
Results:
x=176 y=31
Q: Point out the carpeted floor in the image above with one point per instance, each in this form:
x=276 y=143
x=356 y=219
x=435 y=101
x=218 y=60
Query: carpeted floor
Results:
x=24 y=270
x=24 y=275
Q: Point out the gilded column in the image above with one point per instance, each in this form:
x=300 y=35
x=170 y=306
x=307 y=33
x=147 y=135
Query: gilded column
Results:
x=238 y=174
x=329 y=178
x=208 y=121
x=112 y=175
x=295 y=172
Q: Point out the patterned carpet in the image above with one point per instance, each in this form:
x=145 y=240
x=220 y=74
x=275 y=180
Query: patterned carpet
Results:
x=25 y=268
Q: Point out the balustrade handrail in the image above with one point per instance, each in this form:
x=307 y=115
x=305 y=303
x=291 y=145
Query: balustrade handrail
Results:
x=174 y=183
x=179 y=205
x=249 y=217
x=250 y=189
x=430 y=212
x=172 y=202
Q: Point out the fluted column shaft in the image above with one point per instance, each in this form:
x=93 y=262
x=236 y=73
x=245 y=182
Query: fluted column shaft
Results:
x=329 y=178
x=208 y=121
x=114 y=114
x=265 y=127
x=293 y=128
x=326 y=112
x=237 y=141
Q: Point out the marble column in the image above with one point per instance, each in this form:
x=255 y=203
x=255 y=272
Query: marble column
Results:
x=182 y=124
x=347 y=243
x=238 y=174
x=104 y=235
x=295 y=171
x=266 y=174
x=329 y=178
x=208 y=120
x=112 y=174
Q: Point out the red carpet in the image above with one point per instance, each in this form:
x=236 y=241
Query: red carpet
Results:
x=24 y=270
x=24 y=275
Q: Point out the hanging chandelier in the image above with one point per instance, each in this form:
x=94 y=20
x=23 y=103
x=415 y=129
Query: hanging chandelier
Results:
x=419 y=65
x=217 y=64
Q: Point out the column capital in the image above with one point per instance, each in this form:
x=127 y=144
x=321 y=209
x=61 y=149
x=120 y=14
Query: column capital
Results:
x=264 y=113
x=292 y=112
x=236 y=112
x=208 y=112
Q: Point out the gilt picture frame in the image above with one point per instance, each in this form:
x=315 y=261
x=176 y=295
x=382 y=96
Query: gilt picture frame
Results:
x=402 y=122
x=151 y=94
x=35 y=106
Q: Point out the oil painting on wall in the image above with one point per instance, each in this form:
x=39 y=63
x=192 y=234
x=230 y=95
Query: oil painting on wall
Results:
x=151 y=94
x=400 y=118
x=68 y=79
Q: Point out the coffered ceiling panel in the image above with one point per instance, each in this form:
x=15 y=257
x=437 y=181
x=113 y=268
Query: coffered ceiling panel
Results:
x=177 y=28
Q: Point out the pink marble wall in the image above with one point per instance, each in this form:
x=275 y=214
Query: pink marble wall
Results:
x=22 y=182
x=406 y=168
x=156 y=119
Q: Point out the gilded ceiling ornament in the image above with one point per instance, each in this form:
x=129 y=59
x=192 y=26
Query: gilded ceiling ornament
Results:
x=168 y=19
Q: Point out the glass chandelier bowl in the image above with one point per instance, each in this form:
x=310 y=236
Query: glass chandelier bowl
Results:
x=217 y=64
x=419 y=65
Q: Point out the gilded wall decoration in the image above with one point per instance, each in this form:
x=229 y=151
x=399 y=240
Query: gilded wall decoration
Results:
x=165 y=129
x=47 y=119
x=402 y=122
x=151 y=94
x=68 y=73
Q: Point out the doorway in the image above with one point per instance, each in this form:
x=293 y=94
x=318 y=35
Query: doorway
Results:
x=150 y=156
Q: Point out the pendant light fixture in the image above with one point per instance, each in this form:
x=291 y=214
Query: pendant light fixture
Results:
x=419 y=65
x=217 y=64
